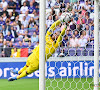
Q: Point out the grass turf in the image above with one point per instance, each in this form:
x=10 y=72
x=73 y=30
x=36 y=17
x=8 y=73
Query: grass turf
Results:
x=51 y=84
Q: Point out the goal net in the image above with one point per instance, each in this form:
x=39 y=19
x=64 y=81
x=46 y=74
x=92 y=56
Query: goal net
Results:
x=71 y=67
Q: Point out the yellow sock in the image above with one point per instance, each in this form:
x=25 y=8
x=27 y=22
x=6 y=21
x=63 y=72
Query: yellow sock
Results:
x=23 y=69
x=23 y=74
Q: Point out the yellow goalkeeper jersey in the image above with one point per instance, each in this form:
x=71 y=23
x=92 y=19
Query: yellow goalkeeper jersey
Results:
x=50 y=45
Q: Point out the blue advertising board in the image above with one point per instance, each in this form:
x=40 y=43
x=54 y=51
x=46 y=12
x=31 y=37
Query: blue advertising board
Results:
x=56 y=69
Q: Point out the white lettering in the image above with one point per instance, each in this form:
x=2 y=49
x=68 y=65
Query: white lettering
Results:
x=52 y=73
x=5 y=71
x=63 y=71
x=69 y=69
x=90 y=70
x=37 y=73
x=75 y=69
x=86 y=69
x=30 y=75
x=81 y=68
x=1 y=72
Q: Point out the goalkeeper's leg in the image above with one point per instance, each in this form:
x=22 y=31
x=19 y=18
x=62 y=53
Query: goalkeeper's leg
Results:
x=32 y=67
x=33 y=63
x=29 y=70
x=14 y=71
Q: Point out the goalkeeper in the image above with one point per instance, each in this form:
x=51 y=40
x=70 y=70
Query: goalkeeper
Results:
x=52 y=42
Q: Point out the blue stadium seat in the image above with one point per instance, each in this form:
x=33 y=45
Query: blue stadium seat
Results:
x=18 y=39
x=72 y=51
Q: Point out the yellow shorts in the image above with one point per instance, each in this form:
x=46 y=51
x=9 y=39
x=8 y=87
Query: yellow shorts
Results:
x=32 y=63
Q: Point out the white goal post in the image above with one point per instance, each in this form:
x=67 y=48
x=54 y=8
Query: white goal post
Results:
x=42 y=29
x=96 y=44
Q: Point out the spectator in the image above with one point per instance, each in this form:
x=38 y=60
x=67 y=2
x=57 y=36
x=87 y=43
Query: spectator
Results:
x=1 y=37
x=35 y=4
x=15 y=53
x=92 y=38
x=37 y=30
x=87 y=18
x=11 y=4
x=75 y=16
x=87 y=6
x=20 y=45
x=92 y=7
x=24 y=22
x=62 y=53
x=4 y=11
x=62 y=7
x=91 y=24
x=1 y=21
x=17 y=21
x=8 y=38
x=49 y=21
x=18 y=4
x=4 y=30
x=30 y=48
x=68 y=34
x=1 y=8
x=2 y=54
x=77 y=7
x=31 y=22
x=65 y=42
x=21 y=32
x=37 y=43
x=83 y=11
x=7 y=27
x=31 y=8
x=4 y=4
x=76 y=33
x=34 y=38
x=27 y=16
x=59 y=14
x=27 y=2
x=73 y=42
x=57 y=4
x=4 y=45
x=6 y=50
x=13 y=32
x=79 y=27
x=14 y=13
x=82 y=41
x=86 y=36
x=4 y=16
x=48 y=3
x=53 y=13
x=88 y=32
x=68 y=8
x=36 y=18
x=24 y=8
x=26 y=37
x=11 y=17
x=10 y=45
x=80 y=20
x=16 y=26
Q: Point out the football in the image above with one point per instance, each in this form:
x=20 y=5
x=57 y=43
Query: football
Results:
x=66 y=17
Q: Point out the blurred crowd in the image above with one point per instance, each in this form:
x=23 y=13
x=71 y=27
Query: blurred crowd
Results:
x=19 y=24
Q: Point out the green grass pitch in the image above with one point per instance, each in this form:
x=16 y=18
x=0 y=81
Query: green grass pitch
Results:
x=57 y=84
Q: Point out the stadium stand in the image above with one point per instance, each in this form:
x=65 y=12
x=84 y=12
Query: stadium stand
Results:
x=20 y=16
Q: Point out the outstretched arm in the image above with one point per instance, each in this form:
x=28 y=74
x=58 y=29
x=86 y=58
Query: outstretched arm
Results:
x=59 y=40
x=53 y=27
